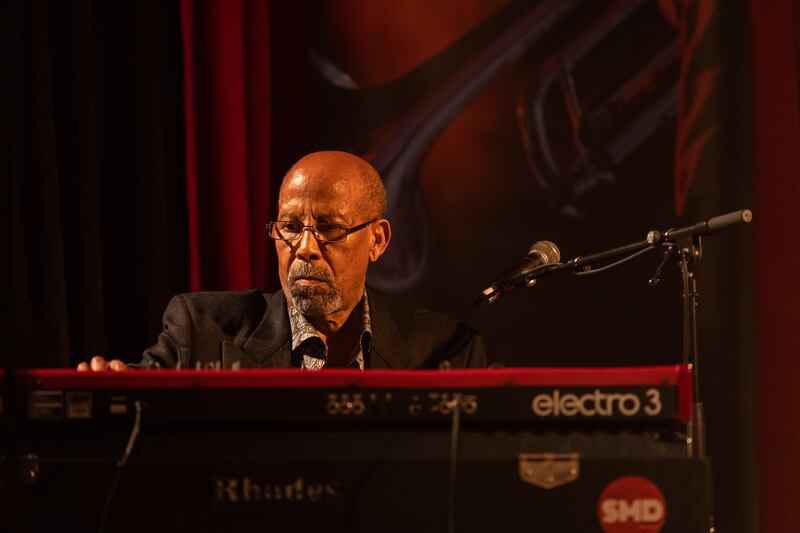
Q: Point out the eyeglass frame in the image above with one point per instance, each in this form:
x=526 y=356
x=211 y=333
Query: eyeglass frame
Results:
x=313 y=229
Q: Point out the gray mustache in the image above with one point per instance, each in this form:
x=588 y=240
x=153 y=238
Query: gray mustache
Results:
x=303 y=269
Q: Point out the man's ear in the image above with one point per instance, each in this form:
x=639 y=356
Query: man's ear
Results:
x=381 y=234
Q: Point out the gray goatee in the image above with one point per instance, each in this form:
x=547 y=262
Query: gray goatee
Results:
x=317 y=300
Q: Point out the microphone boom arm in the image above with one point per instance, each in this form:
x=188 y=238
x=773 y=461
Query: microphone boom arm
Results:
x=672 y=237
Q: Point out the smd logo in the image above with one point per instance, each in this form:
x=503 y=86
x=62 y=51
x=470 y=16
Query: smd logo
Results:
x=631 y=504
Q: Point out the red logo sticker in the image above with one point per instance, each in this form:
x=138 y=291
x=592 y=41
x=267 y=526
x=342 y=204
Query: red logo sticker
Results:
x=631 y=504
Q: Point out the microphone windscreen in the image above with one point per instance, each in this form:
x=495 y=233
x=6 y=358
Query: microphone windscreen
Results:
x=547 y=250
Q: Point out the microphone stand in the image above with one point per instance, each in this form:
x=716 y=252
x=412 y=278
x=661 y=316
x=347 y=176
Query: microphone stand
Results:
x=683 y=245
x=688 y=251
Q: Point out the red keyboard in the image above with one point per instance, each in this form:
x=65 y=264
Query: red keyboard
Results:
x=637 y=394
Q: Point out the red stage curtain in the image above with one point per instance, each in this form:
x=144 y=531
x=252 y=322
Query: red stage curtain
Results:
x=777 y=166
x=227 y=114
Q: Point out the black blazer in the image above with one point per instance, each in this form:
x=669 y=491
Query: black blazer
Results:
x=252 y=328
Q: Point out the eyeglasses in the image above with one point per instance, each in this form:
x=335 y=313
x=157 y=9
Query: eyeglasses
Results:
x=285 y=230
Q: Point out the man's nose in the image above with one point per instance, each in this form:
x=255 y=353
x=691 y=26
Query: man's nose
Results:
x=308 y=246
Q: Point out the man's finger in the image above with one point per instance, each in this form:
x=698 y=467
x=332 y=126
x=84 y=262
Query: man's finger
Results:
x=83 y=367
x=117 y=365
x=99 y=363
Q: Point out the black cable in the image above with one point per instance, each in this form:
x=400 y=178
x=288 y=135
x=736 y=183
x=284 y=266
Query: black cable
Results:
x=615 y=263
x=134 y=436
x=451 y=497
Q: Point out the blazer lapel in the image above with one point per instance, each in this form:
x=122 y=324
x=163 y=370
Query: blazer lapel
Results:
x=269 y=345
x=388 y=345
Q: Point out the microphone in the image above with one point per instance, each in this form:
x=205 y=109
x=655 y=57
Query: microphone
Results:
x=541 y=253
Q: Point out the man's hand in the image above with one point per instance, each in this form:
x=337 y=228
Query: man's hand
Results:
x=98 y=363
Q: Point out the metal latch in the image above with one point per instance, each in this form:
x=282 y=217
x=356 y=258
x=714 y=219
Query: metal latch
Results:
x=549 y=470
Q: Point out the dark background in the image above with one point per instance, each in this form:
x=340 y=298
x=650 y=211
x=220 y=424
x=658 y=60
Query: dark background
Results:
x=99 y=220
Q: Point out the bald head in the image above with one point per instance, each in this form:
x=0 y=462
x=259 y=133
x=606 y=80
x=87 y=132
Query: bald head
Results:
x=322 y=270
x=332 y=168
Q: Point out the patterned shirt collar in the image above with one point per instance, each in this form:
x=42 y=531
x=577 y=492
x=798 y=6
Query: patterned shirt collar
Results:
x=309 y=351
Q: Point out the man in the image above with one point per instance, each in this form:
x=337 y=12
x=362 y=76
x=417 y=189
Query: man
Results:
x=330 y=227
